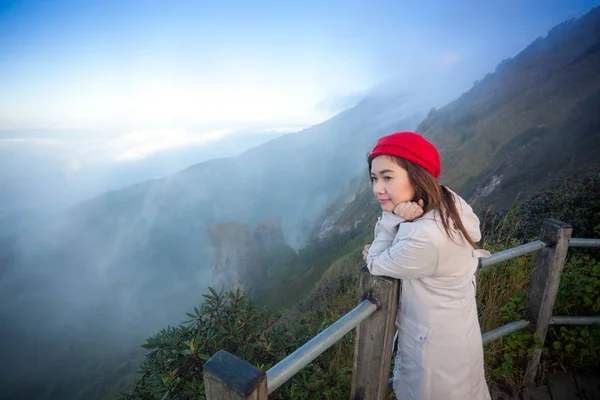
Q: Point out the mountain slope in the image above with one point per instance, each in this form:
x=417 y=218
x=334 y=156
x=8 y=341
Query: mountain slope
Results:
x=526 y=128
x=531 y=123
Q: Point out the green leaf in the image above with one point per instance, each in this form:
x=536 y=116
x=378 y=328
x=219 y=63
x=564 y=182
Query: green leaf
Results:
x=556 y=345
x=213 y=291
x=150 y=345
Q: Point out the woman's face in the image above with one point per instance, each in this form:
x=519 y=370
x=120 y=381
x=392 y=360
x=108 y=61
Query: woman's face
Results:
x=390 y=182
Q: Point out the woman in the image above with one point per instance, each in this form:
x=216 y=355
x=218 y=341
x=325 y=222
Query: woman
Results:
x=426 y=237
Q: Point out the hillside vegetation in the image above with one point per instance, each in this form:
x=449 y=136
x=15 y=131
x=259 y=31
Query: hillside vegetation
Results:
x=233 y=322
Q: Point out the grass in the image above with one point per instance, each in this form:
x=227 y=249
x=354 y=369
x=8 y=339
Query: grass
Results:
x=501 y=293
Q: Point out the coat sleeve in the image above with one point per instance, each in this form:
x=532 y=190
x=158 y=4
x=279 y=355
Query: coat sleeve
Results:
x=412 y=257
x=385 y=232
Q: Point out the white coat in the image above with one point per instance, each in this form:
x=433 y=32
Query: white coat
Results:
x=440 y=352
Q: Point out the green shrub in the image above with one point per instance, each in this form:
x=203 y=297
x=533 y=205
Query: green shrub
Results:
x=173 y=368
x=578 y=295
x=231 y=321
x=565 y=346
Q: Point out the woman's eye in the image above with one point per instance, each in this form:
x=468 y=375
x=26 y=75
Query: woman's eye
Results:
x=373 y=179
x=387 y=178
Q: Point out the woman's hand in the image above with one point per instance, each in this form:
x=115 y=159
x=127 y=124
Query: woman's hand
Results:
x=409 y=210
x=365 y=252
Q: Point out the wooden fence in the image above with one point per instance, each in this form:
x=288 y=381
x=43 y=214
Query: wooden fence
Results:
x=228 y=377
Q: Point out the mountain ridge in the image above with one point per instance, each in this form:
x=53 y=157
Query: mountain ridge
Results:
x=543 y=100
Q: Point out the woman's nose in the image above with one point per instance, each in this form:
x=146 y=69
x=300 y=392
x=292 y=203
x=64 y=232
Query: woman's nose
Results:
x=379 y=187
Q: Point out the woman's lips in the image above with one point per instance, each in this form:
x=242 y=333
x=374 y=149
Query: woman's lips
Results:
x=384 y=201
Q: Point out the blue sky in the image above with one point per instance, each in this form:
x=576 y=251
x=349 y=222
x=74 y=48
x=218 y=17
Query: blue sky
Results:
x=233 y=64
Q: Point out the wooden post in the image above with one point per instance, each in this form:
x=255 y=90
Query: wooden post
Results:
x=549 y=264
x=374 y=337
x=228 y=377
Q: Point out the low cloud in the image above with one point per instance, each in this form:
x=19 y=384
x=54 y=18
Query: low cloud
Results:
x=31 y=141
x=138 y=145
x=286 y=129
x=338 y=104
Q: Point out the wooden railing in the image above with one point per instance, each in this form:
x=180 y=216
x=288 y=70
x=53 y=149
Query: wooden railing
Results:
x=228 y=377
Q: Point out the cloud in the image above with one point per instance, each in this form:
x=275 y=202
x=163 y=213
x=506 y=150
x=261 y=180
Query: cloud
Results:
x=73 y=166
x=32 y=141
x=286 y=129
x=338 y=104
x=98 y=147
x=140 y=144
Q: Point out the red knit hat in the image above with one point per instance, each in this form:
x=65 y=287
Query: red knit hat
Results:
x=412 y=147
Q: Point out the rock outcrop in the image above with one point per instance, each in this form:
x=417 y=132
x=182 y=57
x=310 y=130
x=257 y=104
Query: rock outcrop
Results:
x=245 y=259
x=269 y=234
x=237 y=257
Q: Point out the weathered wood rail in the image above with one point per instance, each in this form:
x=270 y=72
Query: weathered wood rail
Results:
x=228 y=377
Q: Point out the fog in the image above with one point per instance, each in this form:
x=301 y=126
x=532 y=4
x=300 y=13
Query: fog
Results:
x=83 y=286
x=70 y=317
x=43 y=172
x=66 y=317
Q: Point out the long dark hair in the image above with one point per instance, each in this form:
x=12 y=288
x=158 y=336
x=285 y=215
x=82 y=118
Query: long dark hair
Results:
x=434 y=195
